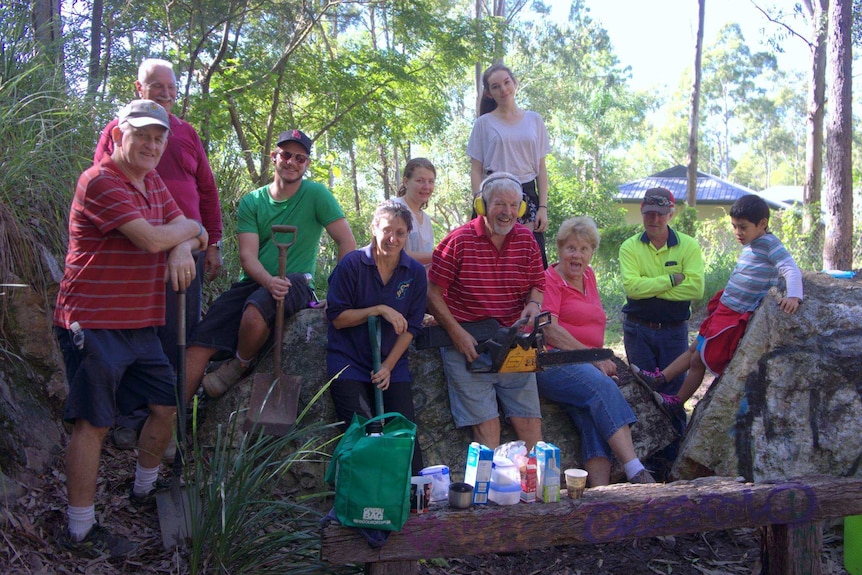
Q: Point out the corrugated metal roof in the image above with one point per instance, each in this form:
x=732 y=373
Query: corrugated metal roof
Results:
x=710 y=189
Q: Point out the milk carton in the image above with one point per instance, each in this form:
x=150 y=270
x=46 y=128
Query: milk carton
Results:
x=547 y=472
x=478 y=473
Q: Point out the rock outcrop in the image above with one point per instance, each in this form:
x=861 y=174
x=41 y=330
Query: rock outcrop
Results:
x=790 y=401
x=32 y=389
x=305 y=352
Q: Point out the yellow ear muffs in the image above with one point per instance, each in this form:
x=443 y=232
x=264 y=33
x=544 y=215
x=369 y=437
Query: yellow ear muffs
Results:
x=479 y=205
x=479 y=200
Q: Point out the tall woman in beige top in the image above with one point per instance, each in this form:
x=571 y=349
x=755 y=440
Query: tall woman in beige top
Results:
x=506 y=138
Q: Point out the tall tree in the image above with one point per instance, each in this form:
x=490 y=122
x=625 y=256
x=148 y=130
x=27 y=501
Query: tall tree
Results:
x=817 y=11
x=691 y=179
x=94 y=75
x=48 y=31
x=838 y=201
x=730 y=79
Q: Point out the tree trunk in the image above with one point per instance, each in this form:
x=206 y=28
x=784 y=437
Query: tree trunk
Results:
x=47 y=30
x=817 y=10
x=384 y=171
x=479 y=87
x=691 y=185
x=838 y=201
x=353 y=178
x=94 y=70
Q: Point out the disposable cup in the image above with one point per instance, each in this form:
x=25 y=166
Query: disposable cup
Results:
x=576 y=482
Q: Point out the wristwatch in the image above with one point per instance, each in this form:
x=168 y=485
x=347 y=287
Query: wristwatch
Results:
x=216 y=245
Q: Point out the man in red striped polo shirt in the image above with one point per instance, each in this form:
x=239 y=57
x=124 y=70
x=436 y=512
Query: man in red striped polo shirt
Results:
x=127 y=236
x=490 y=267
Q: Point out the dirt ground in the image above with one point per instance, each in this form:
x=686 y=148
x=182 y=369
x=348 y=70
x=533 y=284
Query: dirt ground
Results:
x=29 y=526
x=732 y=552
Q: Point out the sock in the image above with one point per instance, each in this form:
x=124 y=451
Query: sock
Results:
x=81 y=520
x=243 y=362
x=633 y=467
x=145 y=480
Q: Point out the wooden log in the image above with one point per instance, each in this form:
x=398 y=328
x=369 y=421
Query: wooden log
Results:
x=612 y=513
x=791 y=549
x=392 y=568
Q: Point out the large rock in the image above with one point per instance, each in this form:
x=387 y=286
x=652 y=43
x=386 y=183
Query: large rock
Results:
x=790 y=402
x=32 y=388
x=305 y=352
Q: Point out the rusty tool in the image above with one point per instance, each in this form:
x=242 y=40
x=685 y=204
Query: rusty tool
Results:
x=274 y=400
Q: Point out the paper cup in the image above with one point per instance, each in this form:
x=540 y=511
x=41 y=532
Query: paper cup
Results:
x=576 y=482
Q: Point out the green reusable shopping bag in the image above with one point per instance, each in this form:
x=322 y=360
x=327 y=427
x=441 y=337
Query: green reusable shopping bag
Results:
x=372 y=473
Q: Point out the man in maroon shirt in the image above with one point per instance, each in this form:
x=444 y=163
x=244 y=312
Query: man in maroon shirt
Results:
x=186 y=171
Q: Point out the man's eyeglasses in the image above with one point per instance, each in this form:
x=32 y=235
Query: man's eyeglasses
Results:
x=298 y=158
x=660 y=201
x=158 y=86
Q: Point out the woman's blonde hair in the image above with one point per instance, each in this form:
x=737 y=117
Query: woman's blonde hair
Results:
x=581 y=227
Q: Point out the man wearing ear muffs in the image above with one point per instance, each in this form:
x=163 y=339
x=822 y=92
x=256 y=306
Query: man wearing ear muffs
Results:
x=491 y=267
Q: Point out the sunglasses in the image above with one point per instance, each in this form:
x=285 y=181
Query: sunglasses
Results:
x=660 y=201
x=298 y=158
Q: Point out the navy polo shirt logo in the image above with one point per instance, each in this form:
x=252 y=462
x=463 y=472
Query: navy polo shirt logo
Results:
x=401 y=292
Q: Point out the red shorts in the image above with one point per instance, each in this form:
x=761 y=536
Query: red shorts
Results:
x=720 y=333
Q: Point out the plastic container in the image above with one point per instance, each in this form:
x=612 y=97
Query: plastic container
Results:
x=853 y=544
x=505 y=482
x=505 y=494
x=504 y=472
x=439 y=475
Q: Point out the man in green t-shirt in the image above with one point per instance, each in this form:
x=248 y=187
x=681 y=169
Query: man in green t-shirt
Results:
x=250 y=303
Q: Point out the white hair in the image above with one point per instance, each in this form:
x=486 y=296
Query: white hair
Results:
x=148 y=65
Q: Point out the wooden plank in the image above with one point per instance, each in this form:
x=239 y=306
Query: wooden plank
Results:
x=793 y=549
x=612 y=513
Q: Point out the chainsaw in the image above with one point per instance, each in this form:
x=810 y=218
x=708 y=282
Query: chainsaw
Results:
x=511 y=349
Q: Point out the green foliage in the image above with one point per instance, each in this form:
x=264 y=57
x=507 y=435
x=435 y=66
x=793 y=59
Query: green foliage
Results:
x=720 y=251
x=806 y=249
x=245 y=521
x=685 y=219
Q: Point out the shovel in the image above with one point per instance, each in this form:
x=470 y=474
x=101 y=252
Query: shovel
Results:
x=374 y=335
x=274 y=401
x=174 y=506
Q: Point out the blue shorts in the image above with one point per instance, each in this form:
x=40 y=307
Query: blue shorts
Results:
x=117 y=371
x=219 y=329
x=473 y=396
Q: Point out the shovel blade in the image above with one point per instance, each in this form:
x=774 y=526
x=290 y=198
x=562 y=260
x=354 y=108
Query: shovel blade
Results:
x=175 y=515
x=273 y=404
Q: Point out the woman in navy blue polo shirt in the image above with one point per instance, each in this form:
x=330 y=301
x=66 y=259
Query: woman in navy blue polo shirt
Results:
x=379 y=279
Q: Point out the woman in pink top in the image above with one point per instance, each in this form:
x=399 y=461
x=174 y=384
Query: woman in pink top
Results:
x=587 y=391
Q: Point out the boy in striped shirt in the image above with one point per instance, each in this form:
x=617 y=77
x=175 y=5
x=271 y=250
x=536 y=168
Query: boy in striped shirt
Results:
x=763 y=260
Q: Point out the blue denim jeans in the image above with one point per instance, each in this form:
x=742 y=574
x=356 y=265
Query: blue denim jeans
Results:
x=649 y=349
x=592 y=400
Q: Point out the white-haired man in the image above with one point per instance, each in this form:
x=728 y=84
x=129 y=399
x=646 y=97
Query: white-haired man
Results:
x=490 y=267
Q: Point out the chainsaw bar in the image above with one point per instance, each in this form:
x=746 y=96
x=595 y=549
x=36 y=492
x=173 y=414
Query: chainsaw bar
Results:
x=551 y=358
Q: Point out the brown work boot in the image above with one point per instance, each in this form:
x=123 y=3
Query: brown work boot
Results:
x=219 y=381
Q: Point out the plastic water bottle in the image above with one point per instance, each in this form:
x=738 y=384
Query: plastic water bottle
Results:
x=853 y=544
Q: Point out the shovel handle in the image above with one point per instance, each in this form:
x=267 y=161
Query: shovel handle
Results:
x=374 y=336
x=181 y=382
x=279 y=306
